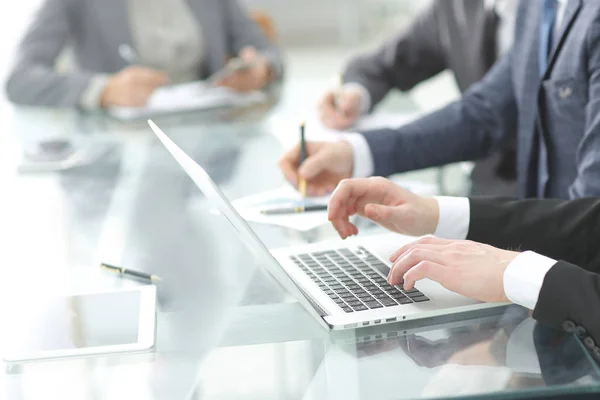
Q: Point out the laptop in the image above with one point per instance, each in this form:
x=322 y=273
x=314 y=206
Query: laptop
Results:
x=342 y=284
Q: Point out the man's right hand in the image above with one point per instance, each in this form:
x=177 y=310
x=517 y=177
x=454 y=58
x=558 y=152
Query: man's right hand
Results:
x=340 y=108
x=326 y=165
x=383 y=202
x=132 y=87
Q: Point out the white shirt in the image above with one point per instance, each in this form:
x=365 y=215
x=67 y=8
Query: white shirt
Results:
x=363 y=159
x=524 y=276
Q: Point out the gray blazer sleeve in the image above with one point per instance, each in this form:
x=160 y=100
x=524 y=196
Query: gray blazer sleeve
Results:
x=402 y=62
x=244 y=32
x=586 y=183
x=33 y=79
x=470 y=128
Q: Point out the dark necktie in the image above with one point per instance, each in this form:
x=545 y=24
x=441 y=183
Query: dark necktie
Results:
x=547 y=18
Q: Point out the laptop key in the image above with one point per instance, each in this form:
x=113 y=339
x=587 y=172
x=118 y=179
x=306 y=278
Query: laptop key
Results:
x=373 y=304
x=360 y=308
x=353 y=303
x=347 y=309
x=388 y=302
x=414 y=294
x=381 y=296
x=405 y=300
x=420 y=299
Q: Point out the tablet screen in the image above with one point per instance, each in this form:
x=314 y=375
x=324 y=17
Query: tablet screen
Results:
x=82 y=321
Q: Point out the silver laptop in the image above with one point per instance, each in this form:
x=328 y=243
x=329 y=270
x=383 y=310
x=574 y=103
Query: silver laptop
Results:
x=341 y=283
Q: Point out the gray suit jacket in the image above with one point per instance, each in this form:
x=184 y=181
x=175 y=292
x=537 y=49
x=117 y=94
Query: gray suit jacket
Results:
x=96 y=28
x=562 y=110
x=459 y=35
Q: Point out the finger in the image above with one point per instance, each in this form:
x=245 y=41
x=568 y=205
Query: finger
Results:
x=425 y=269
x=410 y=260
x=426 y=240
x=288 y=164
x=344 y=228
x=345 y=195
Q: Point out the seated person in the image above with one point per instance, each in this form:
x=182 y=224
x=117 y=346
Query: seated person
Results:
x=542 y=90
x=465 y=37
x=528 y=236
x=124 y=50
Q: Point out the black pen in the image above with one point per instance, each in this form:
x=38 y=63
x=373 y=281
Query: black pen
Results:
x=302 y=181
x=124 y=271
x=294 y=210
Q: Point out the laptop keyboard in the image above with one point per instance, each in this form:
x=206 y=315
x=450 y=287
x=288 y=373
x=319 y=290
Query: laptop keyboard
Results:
x=355 y=279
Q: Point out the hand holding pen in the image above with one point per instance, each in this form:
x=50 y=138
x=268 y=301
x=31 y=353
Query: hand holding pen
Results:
x=340 y=107
x=134 y=84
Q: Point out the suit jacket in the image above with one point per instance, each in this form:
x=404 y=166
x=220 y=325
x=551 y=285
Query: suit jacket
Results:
x=96 y=28
x=459 y=35
x=564 y=230
x=561 y=110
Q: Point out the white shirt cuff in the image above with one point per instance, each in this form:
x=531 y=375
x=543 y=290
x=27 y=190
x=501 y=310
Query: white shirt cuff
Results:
x=361 y=153
x=92 y=95
x=524 y=276
x=454 y=218
x=365 y=96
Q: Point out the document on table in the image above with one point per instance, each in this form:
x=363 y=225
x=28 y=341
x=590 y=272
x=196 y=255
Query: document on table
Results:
x=186 y=97
x=285 y=129
x=249 y=208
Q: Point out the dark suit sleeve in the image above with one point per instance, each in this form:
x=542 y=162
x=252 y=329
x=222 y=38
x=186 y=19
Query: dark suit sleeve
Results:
x=402 y=62
x=473 y=127
x=571 y=295
x=565 y=230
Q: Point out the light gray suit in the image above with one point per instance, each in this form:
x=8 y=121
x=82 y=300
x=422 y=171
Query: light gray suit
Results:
x=459 y=35
x=557 y=113
x=96 y=28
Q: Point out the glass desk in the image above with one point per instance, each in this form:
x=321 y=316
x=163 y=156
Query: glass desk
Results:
x=225 y=328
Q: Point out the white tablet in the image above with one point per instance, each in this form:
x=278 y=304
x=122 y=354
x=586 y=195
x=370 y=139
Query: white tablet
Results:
x=81 y=324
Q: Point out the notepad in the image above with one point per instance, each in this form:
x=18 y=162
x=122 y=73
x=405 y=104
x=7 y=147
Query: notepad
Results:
x=187 y=97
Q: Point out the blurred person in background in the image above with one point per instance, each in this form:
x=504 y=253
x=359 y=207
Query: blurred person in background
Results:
x=464 y=36
x=124 y=49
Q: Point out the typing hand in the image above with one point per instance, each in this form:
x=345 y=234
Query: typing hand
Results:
x=132 y=87
x=326 y=165
x=340 y=108
x=383 y=202
x=256 y=75
x=469 y=268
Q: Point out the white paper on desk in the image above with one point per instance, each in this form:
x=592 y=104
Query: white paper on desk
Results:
x=185 y=97
x=249 y=208
x=286 y=130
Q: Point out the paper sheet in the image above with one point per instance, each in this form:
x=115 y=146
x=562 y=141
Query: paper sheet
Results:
x=286 y=129
x=249 y=208
x=185 y=97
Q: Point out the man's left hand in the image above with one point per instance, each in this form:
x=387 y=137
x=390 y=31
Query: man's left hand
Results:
x=469 y=268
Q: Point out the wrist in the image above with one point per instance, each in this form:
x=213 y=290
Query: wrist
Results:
x=432 y=214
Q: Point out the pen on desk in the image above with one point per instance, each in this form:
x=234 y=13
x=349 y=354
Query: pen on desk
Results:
x=302 y=181
x=124 y=271
x=294 y=210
